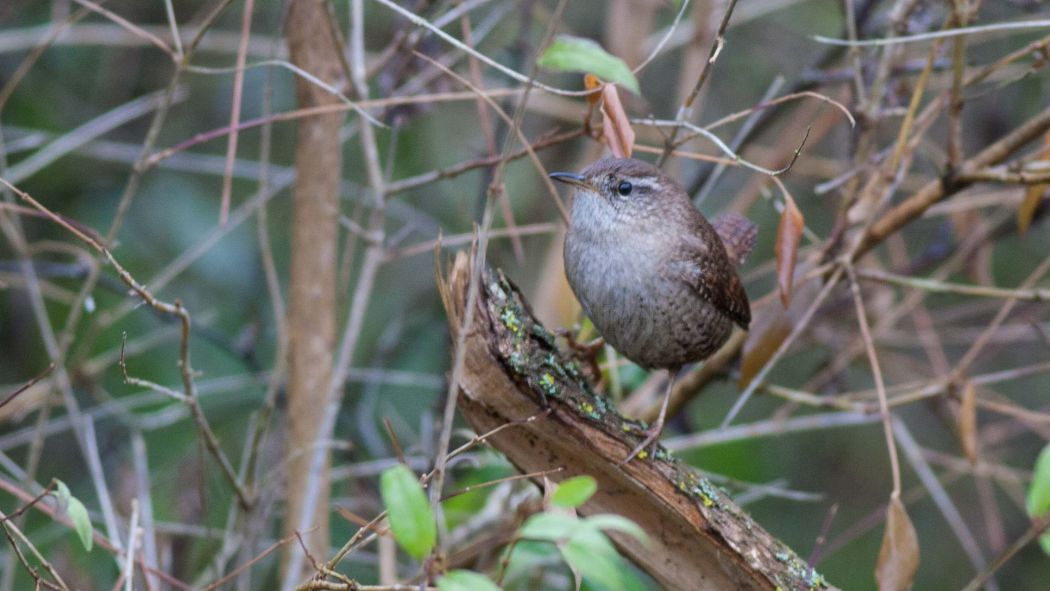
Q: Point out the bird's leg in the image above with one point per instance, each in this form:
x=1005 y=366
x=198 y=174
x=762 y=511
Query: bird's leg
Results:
x=653 y=432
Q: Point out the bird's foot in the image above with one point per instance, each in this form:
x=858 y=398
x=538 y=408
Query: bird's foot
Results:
x=586 y=352
x=647 y=446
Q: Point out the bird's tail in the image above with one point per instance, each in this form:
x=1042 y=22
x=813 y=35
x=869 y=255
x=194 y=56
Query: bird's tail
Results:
x=738 y=235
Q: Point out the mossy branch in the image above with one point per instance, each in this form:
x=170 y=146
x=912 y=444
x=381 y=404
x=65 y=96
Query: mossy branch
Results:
x=699 y=538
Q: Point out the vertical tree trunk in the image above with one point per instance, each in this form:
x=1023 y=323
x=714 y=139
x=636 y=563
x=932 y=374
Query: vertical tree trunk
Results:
x=311 y=312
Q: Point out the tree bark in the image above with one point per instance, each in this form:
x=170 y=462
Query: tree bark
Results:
x=699 y=538
x=311 y=311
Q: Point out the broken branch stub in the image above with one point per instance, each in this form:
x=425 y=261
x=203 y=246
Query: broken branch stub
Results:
x=698 y=537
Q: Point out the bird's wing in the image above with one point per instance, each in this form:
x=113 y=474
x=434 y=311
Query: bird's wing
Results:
x=706 y=268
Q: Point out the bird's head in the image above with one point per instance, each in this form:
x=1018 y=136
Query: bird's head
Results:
x=619 y=186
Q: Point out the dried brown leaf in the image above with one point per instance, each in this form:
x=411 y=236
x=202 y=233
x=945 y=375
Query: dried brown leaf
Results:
x=789 y=235
x=617 y=127
x=1026 y=211
x=758 y=351
x=771 y=324
x=968 y=422
x=899 y=555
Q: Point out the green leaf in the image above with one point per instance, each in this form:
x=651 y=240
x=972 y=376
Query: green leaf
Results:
x=81 y=522
x=77 y=512
x=574 y=492
x=594 y=557
x=576 y=54
x=525 y=558
x=408 y=510
x=606 y=521
x=1039 y=492
x=465 y=580
x=550 y=527
x=62 y=494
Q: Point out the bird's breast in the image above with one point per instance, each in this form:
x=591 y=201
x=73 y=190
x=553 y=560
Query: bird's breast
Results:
x=646 y=316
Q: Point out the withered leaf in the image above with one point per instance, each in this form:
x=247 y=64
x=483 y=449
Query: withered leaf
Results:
x=757 y=351
x=968 y=422
x=1034 y=194
x=899 y=555
x=617 y=127
x=789 y=235
x=592 y=82
x=771 y=324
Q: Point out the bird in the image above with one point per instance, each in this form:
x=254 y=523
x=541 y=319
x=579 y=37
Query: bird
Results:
x=656 y=278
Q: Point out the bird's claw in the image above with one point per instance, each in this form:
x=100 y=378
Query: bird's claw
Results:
x=651 y=435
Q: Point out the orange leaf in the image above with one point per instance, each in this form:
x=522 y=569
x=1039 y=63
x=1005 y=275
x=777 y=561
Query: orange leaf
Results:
x=968 y=422
x=757 y=351
x=592 y=82
x=771 y=324
x=789 y=234
x=1026 y=212
x=899 y=555
x=618 y=132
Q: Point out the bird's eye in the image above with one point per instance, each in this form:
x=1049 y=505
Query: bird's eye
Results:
x=624 y=188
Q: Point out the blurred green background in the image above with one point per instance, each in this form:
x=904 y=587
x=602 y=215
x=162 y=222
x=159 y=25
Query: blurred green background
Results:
x=404 y=351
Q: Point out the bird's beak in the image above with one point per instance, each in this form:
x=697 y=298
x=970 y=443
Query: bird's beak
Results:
x=571 y=178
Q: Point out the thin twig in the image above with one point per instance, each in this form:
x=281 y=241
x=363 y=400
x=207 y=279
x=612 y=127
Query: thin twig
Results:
x=516 y=130
x=544 y=142
x=722 y=146
x=309 y=77
x=935 y=286
x=686 y=110
x=796 y=331
x=176 y=310
x=305 y=112
x=11 y=531
x=941 y=499
x=235 y=110
x=32 y=382
x=880 y=388
x=1038 y=527
x=993 y=27
x=663 y=40
x=461 y=239
x=936 y=191
x=528 y=80
x=128 y=572
x=131 y=27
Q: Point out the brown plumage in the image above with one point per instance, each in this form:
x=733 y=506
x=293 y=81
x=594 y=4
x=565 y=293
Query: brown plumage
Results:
x=650 y=271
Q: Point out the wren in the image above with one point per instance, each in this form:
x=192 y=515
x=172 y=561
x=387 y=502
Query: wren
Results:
x=657 y=279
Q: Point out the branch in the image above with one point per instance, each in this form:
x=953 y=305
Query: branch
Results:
x=512 y=370
x=176 y=310
x=940 y=189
